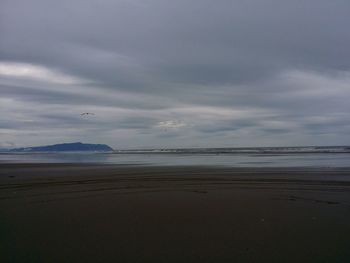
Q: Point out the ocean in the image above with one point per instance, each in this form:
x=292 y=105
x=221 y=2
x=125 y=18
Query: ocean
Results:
x=337 y=156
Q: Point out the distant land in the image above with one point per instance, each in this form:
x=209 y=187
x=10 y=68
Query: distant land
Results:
x=65 y=147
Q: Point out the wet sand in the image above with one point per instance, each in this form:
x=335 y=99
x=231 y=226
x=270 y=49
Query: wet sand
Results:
x=106 y=213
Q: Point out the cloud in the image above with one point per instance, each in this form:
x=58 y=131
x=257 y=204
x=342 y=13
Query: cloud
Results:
x=29 y=71
x=171 y=124
x=213 y=73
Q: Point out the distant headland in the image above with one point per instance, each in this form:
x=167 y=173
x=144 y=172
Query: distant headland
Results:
x=65 y=147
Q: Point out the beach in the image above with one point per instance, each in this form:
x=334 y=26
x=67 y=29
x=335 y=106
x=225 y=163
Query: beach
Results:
x=135 y=213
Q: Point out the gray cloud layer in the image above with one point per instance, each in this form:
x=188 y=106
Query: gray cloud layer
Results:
x=175 y=73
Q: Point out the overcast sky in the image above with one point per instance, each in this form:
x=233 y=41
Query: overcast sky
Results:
x=184 y=73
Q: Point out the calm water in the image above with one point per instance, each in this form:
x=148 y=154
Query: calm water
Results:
x=162 y=159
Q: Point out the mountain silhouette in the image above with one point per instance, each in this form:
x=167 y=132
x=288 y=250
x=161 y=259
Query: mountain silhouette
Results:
x=66 y=147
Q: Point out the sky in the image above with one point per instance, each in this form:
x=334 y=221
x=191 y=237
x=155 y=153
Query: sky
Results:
x=185 y=73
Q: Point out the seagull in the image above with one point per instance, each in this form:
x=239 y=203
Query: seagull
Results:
x=87 y=113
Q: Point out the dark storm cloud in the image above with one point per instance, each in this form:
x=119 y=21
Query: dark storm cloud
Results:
x=124 y=42
x=227 y=125
x=137 y=123
x=61 y=97
x=141 y=65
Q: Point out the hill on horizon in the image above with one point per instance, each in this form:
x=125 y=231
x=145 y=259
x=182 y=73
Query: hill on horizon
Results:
x=65 y=147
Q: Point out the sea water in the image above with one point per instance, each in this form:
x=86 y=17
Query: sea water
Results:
x=233 y=157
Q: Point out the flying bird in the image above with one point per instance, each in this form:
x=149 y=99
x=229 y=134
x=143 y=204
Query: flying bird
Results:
x=87 y=113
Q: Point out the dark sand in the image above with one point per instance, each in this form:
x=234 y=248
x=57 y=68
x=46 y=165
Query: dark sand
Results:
x=94 y=213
